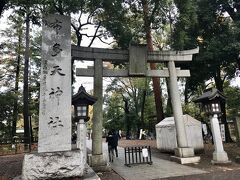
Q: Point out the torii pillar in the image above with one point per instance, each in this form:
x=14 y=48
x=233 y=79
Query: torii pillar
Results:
x=183 y=153
x=97 y=160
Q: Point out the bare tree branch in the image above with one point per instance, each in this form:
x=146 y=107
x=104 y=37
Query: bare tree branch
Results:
x=95 y=34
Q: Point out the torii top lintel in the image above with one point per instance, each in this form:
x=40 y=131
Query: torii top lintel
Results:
x=87 y=53
x=138 y=57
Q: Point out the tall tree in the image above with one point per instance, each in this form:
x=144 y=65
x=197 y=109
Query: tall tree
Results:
x=25 y=78
x=219 y=47
x=19 y=28
x=30 y=10
x=184 y=37
x=3 y=5
x=233 y=101
x=14 y=44
x=6 y=114
x=132 y=22
x=233 y=9
x=148 y=17
x=130 y=91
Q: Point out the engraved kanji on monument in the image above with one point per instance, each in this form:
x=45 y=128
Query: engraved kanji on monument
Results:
x=55 y=90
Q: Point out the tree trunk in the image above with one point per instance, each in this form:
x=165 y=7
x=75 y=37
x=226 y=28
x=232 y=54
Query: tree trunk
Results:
x=15 y=107
x=169 y=111
x=153 y=66
x=144 y=93
x=25 y=82
x=219 y=85
x=186 y=92
x=128 y=127
x=224 y=121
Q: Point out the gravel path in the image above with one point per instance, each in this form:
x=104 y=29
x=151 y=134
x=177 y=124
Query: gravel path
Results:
x=11 y=166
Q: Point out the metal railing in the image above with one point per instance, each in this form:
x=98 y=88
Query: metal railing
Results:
x=16 y=140
x=138 y=155
x=10 y=146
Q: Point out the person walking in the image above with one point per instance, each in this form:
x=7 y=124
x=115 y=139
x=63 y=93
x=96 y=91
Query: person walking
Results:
x=115 y=142
x=110 y=141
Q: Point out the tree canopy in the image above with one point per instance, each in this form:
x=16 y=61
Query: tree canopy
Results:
x=214 y=26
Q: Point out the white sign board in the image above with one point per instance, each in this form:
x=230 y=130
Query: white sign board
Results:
x=204 y=128
x=145 y=152
x=222 y=130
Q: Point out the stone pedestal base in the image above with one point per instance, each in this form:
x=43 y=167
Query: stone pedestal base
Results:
x=98 y=163
x=185 y=155
x=89 y=174
x=186 y=160
x=237 y=159
x=184 y=152
x=53 y=165
x=220 y=158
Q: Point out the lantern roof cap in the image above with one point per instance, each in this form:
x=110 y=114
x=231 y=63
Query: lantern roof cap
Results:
x=82 y=97
x=209 y=95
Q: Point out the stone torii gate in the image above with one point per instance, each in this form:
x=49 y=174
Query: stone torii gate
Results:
x=55 y=157
x=138 y=57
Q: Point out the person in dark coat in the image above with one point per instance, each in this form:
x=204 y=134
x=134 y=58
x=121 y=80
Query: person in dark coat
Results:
x=115 y=142
x=112 y=140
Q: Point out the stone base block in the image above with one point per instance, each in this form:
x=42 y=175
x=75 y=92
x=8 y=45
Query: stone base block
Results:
x=89 y=174
x=237 y=159
x=187 y=160
x=220 y=156
x=221 y=162
x=98 y=163
x=54 y=165
x=184 y=152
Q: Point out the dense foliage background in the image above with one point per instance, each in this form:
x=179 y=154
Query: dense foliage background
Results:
x=130 y=104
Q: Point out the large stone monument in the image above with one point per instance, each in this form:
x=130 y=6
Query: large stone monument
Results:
x=55 y=159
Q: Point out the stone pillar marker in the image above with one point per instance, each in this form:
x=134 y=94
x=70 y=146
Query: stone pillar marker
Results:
x=55 y=159
x=55 y=91
x=219 y=155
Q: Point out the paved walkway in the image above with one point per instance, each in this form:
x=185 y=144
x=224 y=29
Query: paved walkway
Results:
x=159 y=169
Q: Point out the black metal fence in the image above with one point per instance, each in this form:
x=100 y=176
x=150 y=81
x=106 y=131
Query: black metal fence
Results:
x=16 y=145
x=16 y=140
x=138 y=155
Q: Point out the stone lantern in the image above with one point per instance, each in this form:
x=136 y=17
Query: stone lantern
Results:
x=210 y=103
x=81 y=102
